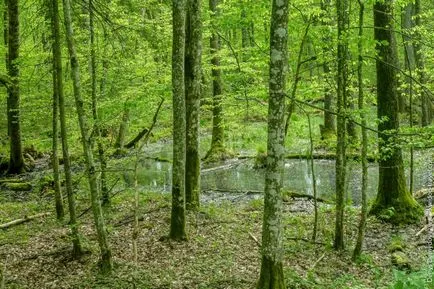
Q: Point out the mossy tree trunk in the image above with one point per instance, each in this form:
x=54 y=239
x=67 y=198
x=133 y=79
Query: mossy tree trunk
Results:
x=97 y=128
x=55 y=159
x=217 y=139
x=77 y=250
x=271 y=276
x=392 y=191
x=16 y=160
x=426 y=105
x=193 y=76
x=105 y=251
x=329 y=127
x=342 y=82
x=177 y=222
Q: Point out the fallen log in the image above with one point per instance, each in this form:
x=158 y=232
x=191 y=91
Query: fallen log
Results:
x=23 y=220
x=295 y=195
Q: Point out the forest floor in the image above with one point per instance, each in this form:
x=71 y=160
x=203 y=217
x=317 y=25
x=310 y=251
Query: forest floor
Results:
x=222 y=250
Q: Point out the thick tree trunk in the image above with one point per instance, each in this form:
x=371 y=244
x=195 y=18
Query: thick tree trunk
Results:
x=392 y=191
x=342 y=82
x=55 y=159
x=77 y=250
x=177 y=222
x=217 y=140
x=106 y=263
x=103 y=162
x=193 y=75
x=16 y=161
x=271 y=276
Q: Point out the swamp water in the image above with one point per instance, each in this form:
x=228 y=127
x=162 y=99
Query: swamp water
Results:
x=237 y=180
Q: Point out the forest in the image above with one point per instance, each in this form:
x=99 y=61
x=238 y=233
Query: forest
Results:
x=193 y=144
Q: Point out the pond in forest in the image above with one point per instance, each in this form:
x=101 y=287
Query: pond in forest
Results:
x=228 y=181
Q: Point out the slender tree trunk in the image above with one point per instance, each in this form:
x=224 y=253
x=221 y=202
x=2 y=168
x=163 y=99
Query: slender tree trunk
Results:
x=55 y=159
x=361 y=101
x=392 y=191
x=271 y=276
x=77 y=250
x=193 y=53
x=343 y=15
x=177 y=222
x=329 y=127
x=123 y=129
x=103 y=162
x=407 y=25
x=106 y=263
x=16 y=161
x=217 y=140
x=420 y=64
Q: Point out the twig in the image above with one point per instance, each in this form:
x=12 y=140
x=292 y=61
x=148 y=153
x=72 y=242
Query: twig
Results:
x=317 y=261
x=254 y=239
x=421 y=231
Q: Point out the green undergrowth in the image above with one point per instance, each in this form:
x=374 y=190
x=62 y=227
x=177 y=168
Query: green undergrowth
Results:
x=222 y=251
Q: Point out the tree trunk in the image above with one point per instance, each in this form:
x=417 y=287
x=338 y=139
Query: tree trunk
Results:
x=77 y=250
x=271 y=276
x=106 y=263
x=329 y=128
x=217 y=140
x=16 y=161
x=123 y=129
x=193 y=52
x=407 y=25
x=342 y=82
x=392 y=191
x=361 y=100
x=55 y=159
x=103 y=162
x=177 y=222
x=426 y=105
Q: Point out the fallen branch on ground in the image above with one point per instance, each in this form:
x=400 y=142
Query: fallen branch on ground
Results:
x=305 y=196
x=130 y=219
x=248 y=192
x=254 y=239
x=23 y=220
x=305 y=240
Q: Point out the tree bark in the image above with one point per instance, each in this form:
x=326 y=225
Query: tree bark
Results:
x=271 y=276
x=123 y=129
x=361 y=102
x=77 y=250
x=329 y=128
x=342 y=82
x=177 y=222
x=16 y=161
x=105 y=262
x=392 y=191
x=426 y=104
x=97 y=128
x=55 y=159
x=193 y=74
x=217 y=140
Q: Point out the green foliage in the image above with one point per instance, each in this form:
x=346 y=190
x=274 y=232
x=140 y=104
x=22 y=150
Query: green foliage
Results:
x=413 y=280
